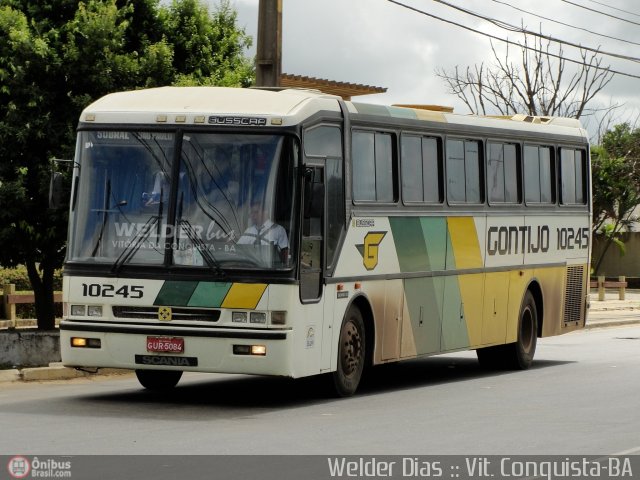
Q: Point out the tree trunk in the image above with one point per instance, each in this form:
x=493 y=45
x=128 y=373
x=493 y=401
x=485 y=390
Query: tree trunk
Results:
x=43 y=292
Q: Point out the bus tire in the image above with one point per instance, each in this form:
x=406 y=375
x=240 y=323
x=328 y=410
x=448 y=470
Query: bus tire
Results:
x=520 y=353
x=351 y=354
x=158 y=380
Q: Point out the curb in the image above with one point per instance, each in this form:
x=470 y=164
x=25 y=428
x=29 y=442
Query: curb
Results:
x=55 y=371
x=612 y=323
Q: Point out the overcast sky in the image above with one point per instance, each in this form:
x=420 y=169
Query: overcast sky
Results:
x=376 y=42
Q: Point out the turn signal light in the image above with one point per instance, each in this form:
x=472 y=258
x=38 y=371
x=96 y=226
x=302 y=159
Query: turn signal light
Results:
x=80 y=342
x=257 y=350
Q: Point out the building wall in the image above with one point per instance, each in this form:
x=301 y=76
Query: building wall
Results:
x=616 y=263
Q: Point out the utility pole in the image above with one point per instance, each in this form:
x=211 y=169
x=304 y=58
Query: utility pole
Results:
x=269 y=48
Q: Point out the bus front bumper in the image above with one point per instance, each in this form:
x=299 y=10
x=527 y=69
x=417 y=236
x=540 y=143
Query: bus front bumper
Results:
x=216 y=350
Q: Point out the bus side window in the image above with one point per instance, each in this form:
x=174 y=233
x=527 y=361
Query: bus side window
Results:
x=421 y=167
x=573 y=176
x=503 y=173
x=464 y=171
x=374 y=167
x=539 y=178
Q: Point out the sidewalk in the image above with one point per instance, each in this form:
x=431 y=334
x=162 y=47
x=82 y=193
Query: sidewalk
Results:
x=608 y=313
x=613 y=311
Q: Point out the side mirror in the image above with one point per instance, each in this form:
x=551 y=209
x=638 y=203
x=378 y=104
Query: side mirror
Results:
x=56 y=190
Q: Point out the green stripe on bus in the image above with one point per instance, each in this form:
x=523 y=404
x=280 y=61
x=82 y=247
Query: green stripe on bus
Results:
x=372 y=109
x=209 y=294
x=410 y=246
x=421 y=243
x=424 y=303
x=175 y=293
x=434 y=230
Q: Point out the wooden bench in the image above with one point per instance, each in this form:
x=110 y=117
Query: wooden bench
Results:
x=602 y=284
x=10 y=299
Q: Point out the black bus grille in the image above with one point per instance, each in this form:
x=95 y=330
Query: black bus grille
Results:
x=573 y=294
x=151 y=313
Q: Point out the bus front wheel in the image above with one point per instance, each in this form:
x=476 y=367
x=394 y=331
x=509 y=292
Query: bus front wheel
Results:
x=158 y=380
x=351 y=354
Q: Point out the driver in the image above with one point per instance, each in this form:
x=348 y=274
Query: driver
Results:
x=263 y=231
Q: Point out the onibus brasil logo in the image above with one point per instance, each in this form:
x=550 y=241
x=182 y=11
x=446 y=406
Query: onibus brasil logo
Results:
x=19 y=467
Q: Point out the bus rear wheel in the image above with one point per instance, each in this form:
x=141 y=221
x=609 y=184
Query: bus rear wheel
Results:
x=158 y=380
x=518 y=355
x=522 y=351
x=351 y=354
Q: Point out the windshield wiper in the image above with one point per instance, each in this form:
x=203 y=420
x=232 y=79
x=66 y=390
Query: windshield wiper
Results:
x=135 y=244
x=202 y=248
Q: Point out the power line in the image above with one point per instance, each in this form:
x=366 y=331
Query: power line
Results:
x=510 y=42
x=513 y=28
x=615 y=8
x=566 y=24
x=600 y=12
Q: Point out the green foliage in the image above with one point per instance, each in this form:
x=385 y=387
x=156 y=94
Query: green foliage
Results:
x=616 y=186
x=19 y=277
x=57 y=56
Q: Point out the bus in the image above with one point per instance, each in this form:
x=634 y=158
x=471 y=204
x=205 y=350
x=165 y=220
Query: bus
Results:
x=292 y=233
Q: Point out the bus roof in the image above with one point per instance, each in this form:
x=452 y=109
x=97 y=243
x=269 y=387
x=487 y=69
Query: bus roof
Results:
x=194 y=105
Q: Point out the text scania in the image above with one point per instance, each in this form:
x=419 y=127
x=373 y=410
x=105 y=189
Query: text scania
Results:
x=521 y=239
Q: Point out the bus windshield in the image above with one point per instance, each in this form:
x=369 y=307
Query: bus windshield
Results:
x=228 y=204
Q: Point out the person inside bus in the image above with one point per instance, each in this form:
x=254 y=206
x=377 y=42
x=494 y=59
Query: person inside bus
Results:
x=263 y=231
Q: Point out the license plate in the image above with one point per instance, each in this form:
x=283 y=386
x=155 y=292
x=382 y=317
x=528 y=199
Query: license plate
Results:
x=165 y=344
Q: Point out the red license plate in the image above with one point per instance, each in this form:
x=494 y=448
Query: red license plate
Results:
x=165 y=344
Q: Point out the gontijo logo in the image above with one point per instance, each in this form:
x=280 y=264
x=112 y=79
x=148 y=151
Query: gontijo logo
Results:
x=370 y=248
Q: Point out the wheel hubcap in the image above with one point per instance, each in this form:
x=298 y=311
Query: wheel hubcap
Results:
x=526 y=330
x=351 y=348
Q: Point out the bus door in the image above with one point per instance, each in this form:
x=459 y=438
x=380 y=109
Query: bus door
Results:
x=323 y=226
x=311 y=258
x=312 y=234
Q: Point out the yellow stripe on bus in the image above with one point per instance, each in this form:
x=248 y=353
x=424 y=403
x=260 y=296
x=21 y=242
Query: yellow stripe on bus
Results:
x=464 y=239
x=244 y=295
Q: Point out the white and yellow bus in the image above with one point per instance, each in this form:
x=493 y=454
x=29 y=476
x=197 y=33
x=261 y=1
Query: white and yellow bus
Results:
x=292 y=233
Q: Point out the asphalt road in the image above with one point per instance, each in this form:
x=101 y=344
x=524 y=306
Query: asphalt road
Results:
x=580 y=397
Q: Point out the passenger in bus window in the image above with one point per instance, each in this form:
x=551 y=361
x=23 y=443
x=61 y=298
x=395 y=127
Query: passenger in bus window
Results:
x=159 y=192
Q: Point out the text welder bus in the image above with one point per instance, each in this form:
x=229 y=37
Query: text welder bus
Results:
x=292 y=233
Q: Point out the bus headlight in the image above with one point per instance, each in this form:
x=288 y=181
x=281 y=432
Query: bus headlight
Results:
x=94 y=310
x=239 y=317
x=258 y=317
x=278 y=318
x=78 y=310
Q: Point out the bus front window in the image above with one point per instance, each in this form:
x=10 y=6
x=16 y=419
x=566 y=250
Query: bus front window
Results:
x=121 y=198
x=235 y=201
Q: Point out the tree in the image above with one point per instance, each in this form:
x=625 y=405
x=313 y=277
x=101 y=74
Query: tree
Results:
x=615 y=175
x=56 y=56
x=540 y=85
